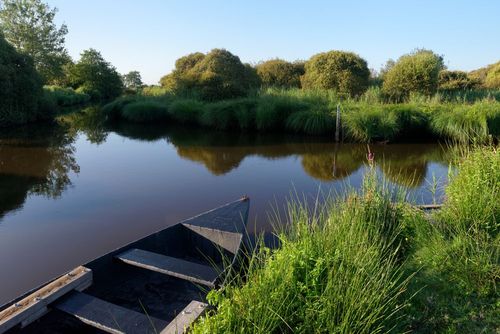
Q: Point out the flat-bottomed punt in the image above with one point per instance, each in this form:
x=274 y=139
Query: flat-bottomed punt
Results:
x=156 y=284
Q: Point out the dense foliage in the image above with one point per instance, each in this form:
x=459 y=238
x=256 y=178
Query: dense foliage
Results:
x=455 y=80
x=29 y=26
x=215 y=76
x=492 y=79
x=417 y=72
x=20 y=87
x=94 y=76
x=345 y=72
x=280 y=73
x=66 y=96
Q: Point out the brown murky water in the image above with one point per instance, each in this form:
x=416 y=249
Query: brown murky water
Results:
x=67 y=195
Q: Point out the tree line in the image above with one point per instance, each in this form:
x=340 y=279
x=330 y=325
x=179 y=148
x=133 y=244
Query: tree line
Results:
x=33 y=54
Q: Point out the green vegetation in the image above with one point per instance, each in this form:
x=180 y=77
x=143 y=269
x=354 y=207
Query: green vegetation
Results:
x=313 y=112
x=368 y=262
x=66 y=96
x=94 y=76
x=132 y=80
x=417 y=72
x=345 y=72
x=280 y=73
x=451 y=81
x=215 y=76
x=29 y=26
x=20 y=87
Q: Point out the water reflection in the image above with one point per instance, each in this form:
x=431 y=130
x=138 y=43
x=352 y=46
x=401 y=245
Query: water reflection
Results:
x=34 y=159
x=222 y=152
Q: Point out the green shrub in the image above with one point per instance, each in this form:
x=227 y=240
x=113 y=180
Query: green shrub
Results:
x=215 y=76
x=66 y=96
x=345 y=72
x=280 y=73
x=186 y=111
x=145 y=111
x=416 y=72
x=154 y=91
x=455 y=80
x=20 y=87
x=492 y=79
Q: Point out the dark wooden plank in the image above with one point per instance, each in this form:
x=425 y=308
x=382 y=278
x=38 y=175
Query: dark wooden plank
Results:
x=184 y=319
x=172 y=266
x=109 y=317
x=35 y=305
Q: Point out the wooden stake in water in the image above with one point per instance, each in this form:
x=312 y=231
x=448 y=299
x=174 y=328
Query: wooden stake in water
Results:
x=337 y=124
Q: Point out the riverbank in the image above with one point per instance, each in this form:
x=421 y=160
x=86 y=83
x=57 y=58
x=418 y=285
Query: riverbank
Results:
x=364 y=264
x=366 y=119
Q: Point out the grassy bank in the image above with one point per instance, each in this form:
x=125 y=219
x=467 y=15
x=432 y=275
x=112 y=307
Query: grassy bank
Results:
x=366 y=119
x=364 y=264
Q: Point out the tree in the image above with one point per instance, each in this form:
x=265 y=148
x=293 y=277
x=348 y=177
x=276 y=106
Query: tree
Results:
x=455 y=80
x=20 y=86
x=345 y=72
x=132 y=80
x=416 y=72
x=214 y=76
x=29 y=26
x=280 y=73
x=95 y=76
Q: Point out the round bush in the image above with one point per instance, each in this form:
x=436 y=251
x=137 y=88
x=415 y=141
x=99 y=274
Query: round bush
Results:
x=345 y=72
x=416 y=72
x=215 y=76
x=280 y=73
x=20 y=87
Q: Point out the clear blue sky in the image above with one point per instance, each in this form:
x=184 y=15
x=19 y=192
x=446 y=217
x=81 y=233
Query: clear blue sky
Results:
x=149 y=35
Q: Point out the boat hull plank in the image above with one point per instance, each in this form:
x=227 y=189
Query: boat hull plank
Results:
x=184 y=319
x=190 y=271
x=108 y=317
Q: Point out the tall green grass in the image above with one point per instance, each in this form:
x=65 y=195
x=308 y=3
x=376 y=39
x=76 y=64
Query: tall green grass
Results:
x=313 y=112
x=458 y=255
x=337 y=271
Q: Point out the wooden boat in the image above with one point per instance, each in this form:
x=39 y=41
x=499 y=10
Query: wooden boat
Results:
x=156 y=284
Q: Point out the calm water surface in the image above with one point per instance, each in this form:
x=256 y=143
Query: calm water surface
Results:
x=68 y=196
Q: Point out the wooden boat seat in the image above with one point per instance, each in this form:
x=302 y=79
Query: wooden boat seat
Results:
x=190 y=271
x=108 y=317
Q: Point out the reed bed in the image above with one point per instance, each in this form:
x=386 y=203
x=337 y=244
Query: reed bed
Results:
x=314 y=112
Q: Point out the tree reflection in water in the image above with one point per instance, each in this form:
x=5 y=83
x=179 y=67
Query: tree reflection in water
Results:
x=221 y=152
x=34 y=159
